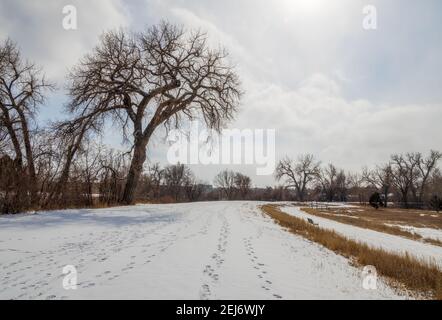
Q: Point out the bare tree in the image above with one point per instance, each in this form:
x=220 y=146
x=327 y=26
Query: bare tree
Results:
x=356 y=185
x=243 y=184
x=342 y=186
x=175 y=177
x=225 y=181
x=88 y=169
x=380 y=178
x=156 y=175
x=426 y=167
x=71 y=136
x=22 y=90
x=114 y=167
x=328 y=181
x=298 y=174
x=157 y=77
x=404 y=173
x=192 y=188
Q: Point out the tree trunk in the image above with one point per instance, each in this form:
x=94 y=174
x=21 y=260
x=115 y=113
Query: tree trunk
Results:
x=386 y=190
x=136 y=168
x=405 y=198
x=300 y=196
x=29 y=157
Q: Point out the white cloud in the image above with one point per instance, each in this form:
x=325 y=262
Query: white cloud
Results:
x=316 y=118
x=37 y=27
x=309 y=70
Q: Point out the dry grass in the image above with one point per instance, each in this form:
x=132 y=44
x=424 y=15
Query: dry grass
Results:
x=409 y=217
x=417 y=275
x=361 y=221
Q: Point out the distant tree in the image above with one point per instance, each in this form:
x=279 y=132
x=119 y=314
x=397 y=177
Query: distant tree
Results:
x=156 y=175
x=225 y=181
x=298 y=174
x=268 y=194
x=380 y=178
x=426 y=167
x=405 y=173
x=192 y=188
x=342 y=186
x=328 y=181
x=175 y=177
x=355 y=183
x=243 y=184
x=278 y=193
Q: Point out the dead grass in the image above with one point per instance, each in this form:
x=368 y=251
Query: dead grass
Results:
x=417 y=275
x=409 y=217
x=359 y=220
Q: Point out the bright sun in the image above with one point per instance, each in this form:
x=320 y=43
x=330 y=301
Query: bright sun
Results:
x=305 y=6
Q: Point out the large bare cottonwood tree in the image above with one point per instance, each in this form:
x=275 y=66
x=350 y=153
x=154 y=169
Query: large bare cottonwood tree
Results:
x=161 y=76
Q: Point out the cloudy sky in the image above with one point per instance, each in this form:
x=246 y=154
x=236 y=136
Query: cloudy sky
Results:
x=309 y=69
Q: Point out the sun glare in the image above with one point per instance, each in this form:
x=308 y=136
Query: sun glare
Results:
x=305 y=6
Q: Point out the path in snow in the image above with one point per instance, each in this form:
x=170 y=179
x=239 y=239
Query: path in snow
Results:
x=376 y=239
x=429 y=233
x=216 y=250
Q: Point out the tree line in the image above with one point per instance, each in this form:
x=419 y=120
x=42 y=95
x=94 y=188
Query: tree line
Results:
x=410 y=180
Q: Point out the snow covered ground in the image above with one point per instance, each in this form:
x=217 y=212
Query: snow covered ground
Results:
x=374 y=238
x=429 y=233
x=216 y=250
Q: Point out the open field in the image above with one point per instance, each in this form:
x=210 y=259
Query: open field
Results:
x=410 y=217
x=213 y=250
x=391 y=221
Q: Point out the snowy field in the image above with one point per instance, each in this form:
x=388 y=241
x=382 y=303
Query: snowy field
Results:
x=216 y=250
x=392 y=243
x=429 y=233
